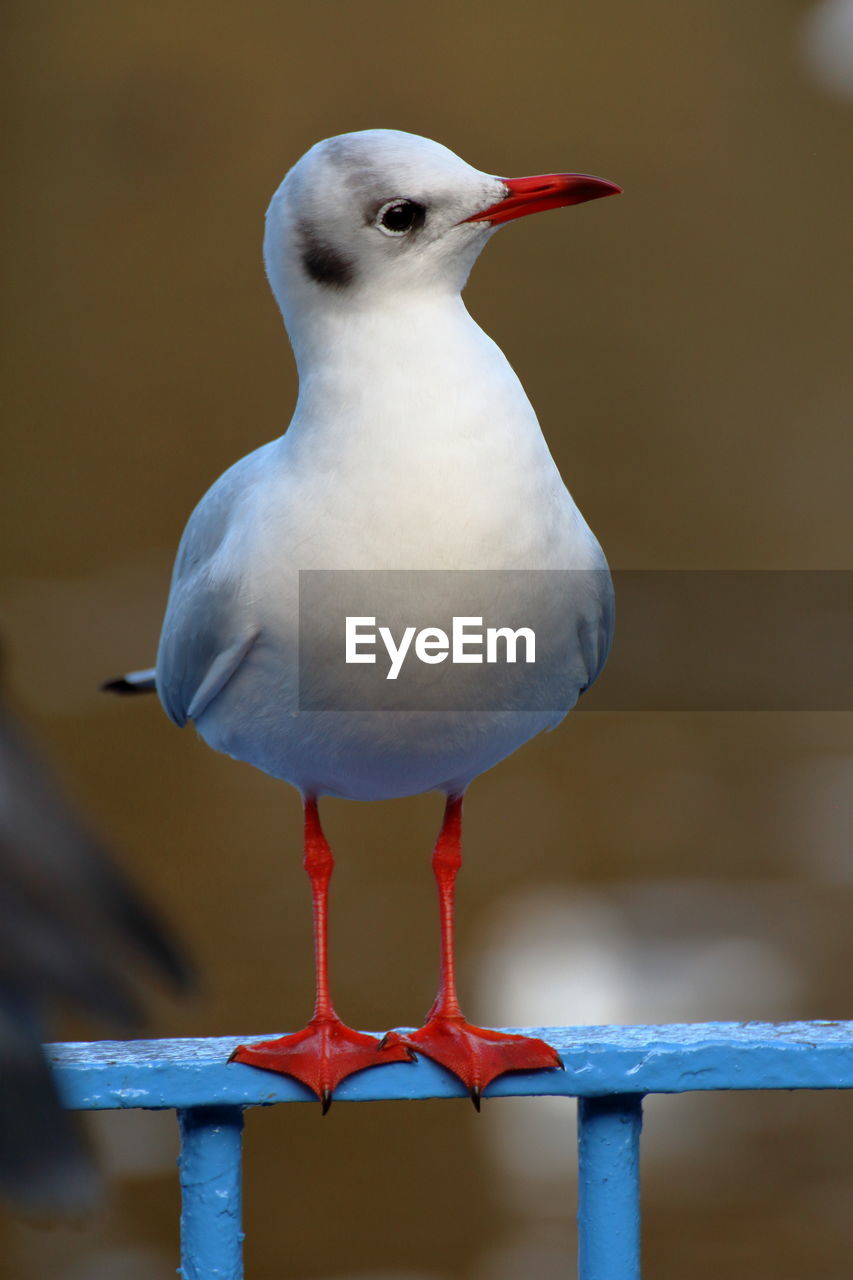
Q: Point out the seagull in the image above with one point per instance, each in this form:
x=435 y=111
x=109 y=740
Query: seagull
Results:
x=412 y=447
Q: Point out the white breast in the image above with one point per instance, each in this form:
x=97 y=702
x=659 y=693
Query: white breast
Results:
x=413 y=446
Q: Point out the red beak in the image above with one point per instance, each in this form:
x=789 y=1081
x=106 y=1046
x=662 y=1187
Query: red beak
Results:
x=550 y=191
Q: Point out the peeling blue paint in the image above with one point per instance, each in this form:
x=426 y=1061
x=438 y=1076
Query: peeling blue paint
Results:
x=609 y=1068
x=609 y=1187
x=211 y=1193
x=598 y=1060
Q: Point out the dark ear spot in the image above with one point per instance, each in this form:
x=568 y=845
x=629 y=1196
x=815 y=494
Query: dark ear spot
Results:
x=324 y=264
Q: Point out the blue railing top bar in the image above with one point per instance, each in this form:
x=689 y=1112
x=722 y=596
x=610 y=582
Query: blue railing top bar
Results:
x=599 y=1061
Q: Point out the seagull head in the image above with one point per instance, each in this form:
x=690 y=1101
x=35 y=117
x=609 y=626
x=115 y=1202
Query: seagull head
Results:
x=365 y=216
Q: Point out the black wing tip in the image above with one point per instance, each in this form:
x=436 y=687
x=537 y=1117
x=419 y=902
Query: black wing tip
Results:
x=126 y=686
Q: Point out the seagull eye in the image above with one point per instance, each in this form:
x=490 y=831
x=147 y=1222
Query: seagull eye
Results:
x=399 y=216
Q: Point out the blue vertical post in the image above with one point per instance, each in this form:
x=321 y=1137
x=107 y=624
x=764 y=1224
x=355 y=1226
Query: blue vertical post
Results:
x=211 y=1193
x=609 y=1187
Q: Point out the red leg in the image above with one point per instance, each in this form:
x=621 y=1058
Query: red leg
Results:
x=474 y=1054
x=326 y=1051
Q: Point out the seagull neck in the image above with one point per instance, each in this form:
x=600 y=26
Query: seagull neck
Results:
x=335 y=344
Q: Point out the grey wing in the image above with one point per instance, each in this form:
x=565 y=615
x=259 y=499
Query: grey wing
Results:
x=204 y=641
x=595 y=631
x=208 y=629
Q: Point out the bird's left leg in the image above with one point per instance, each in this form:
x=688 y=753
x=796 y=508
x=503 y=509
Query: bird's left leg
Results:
x=325 y=1051
x=475 y=1054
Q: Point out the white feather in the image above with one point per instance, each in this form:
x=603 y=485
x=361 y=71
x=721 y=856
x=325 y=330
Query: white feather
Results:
x=413 y=446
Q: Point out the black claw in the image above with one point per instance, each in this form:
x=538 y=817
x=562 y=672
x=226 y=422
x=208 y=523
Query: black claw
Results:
x=476 y=1095
x=383 y=1044
x=325 y=1101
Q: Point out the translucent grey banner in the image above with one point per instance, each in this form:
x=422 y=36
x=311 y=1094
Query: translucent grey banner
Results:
x=518 y=640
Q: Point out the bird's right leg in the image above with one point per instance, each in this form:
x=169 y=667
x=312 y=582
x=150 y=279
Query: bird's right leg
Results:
x=476 y=1055
x=326 y=1051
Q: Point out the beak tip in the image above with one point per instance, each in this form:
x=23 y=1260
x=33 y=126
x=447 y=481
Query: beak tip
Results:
x=549 y=191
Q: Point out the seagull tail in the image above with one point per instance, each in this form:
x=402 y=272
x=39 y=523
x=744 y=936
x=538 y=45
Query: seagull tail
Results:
x=133 y=682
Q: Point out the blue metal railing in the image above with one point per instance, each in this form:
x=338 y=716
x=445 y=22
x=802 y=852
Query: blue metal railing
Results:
x=609 y=1069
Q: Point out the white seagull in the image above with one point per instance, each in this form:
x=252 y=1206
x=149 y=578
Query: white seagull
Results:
x=412 y=447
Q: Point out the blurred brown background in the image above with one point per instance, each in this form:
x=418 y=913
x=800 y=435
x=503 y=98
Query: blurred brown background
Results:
x=685 y=349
